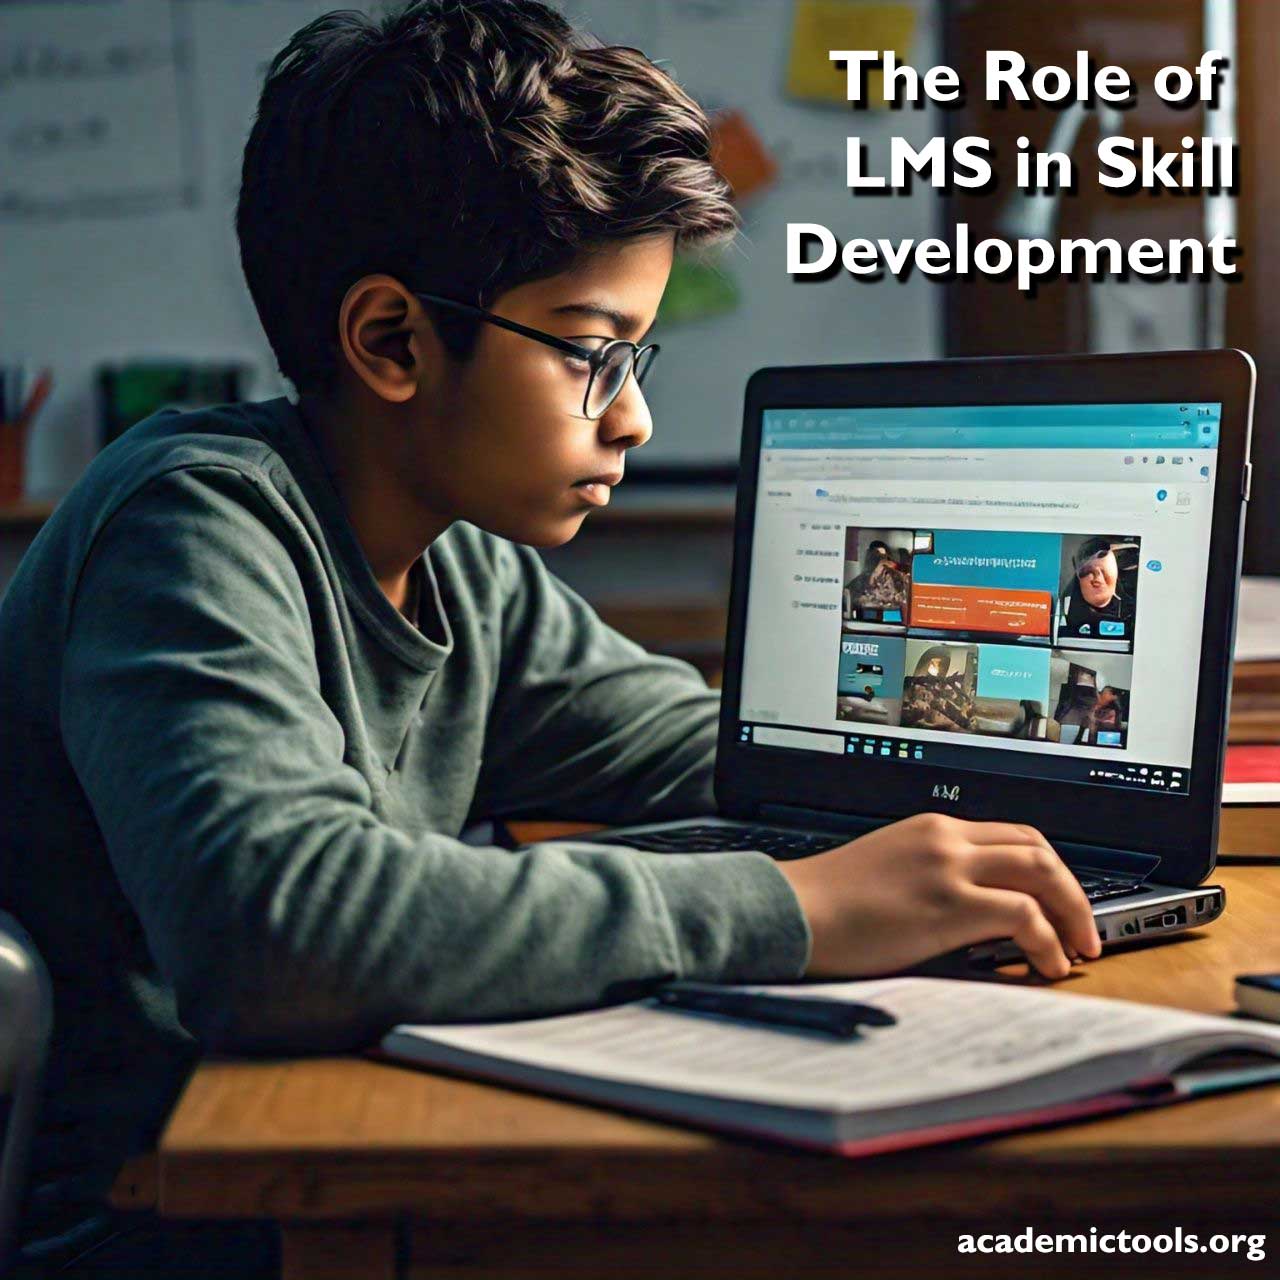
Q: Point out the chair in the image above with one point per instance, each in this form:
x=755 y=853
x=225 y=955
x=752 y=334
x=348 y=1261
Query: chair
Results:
x=26 y=1019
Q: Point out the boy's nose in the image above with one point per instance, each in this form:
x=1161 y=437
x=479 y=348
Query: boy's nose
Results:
x=627 y=420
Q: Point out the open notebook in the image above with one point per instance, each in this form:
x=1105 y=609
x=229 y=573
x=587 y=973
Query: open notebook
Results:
x=965 y=1058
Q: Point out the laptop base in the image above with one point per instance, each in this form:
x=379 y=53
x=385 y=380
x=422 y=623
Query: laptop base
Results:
x=1126 y=907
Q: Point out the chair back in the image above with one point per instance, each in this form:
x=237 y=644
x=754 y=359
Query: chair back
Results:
x=26 y=1020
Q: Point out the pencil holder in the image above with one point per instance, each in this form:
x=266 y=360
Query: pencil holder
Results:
x=13 y=450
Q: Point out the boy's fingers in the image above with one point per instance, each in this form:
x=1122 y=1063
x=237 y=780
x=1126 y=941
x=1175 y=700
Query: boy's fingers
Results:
x=1046 y=878
x=1002 y=833
x=1003 y=913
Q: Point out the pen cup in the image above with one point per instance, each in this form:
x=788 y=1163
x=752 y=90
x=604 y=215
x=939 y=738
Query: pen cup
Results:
x=13 y=451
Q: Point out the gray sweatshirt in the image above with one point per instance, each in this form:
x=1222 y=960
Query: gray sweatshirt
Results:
x=233 y=777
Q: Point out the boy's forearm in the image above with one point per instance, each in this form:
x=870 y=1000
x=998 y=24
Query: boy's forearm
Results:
x=447 y=933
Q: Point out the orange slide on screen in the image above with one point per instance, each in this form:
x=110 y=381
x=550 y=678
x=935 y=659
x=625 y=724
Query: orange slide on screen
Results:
x=940 y=606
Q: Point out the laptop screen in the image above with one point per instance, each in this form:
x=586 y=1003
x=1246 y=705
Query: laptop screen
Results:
x=1010 y=589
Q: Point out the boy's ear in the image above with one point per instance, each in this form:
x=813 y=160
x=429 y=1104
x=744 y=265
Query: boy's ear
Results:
x=383 y=337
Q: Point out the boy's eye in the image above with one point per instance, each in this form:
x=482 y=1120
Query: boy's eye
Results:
x=576 y=364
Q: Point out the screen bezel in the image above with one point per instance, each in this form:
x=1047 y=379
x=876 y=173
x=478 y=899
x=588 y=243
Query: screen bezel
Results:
x=1180 y=830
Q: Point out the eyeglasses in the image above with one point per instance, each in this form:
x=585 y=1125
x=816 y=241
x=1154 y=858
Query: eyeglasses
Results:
x=607 y=366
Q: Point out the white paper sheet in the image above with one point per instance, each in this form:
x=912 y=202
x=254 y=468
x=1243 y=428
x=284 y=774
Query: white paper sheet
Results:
x=951 y=1038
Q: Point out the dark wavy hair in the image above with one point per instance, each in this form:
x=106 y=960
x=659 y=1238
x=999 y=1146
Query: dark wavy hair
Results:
x=463 y=147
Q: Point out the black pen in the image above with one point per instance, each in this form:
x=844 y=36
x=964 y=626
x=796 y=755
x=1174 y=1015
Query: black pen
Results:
x=840 y=1018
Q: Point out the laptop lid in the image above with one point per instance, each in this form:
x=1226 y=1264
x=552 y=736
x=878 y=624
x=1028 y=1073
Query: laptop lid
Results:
x=998 y=588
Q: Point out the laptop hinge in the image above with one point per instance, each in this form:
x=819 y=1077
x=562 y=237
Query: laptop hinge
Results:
x=1099 y=857
x=790 y=815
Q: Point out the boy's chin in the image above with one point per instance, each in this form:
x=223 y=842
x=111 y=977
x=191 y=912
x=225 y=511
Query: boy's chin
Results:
x=552 y=530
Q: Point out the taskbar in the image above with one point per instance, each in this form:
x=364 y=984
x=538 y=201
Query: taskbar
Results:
x=1044 y=766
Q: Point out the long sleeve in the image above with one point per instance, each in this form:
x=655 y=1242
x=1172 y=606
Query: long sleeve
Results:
x=608 y=732
x=285 y=914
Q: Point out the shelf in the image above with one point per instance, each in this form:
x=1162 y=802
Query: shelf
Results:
x=25 y=516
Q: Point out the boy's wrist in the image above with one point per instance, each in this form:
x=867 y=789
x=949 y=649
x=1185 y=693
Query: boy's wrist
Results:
x=735 y=917
x=811 y=901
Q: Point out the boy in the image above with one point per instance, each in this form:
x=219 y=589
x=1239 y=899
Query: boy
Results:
x=268 y=661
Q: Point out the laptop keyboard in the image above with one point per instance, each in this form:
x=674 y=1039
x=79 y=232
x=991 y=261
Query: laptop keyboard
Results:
x=775 y=841
x=1099 y=886
x=784 y=845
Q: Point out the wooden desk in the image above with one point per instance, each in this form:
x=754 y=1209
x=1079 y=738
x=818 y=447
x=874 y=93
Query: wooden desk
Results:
x=363 y=1163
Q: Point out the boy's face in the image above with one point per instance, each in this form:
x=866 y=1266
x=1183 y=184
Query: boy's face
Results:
x=501 y=441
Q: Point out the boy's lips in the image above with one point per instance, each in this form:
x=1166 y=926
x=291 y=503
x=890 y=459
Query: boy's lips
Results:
x=595 y=489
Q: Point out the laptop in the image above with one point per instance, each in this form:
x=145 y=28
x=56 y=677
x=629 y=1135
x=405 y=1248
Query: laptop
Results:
x=1002 y=589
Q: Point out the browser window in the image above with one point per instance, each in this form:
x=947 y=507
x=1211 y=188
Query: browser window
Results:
x=1012 y=588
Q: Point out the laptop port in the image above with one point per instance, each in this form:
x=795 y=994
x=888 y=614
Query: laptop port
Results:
x=1166 y=919
x=1131 y=926
x=1203 y=904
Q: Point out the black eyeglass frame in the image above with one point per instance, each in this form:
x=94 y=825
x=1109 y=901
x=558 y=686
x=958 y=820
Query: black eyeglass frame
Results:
x=593 y=356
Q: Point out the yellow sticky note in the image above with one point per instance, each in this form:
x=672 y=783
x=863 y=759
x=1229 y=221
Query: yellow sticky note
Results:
x=818 y=26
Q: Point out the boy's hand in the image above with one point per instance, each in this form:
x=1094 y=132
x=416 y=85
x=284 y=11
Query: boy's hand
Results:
x=931 y=883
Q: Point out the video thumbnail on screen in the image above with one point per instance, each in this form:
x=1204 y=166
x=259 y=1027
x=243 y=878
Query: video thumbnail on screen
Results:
x=1098 y=593
x=997 y=633
x=877 y=579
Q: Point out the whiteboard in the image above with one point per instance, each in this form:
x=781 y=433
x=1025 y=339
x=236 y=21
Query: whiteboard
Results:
x=118 y=238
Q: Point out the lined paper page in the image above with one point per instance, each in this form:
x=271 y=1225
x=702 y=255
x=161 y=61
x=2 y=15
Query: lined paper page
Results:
x=951 y=1038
